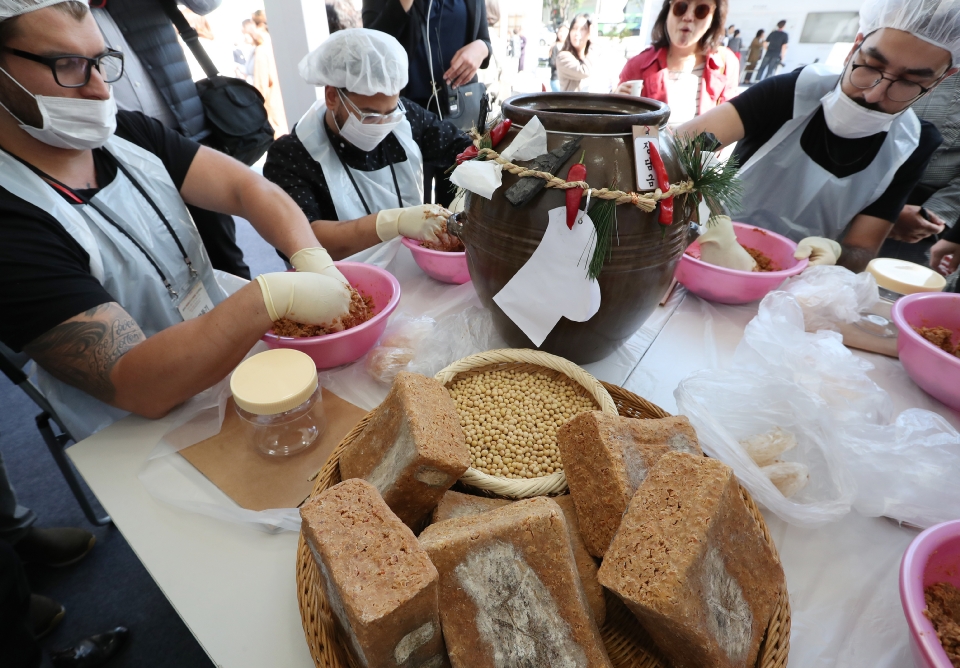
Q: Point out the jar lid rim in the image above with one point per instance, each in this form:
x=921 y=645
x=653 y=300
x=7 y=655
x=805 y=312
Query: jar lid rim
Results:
x=274 y=381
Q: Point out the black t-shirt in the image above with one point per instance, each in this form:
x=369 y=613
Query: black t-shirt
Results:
x=291 y=166
x=767 y=105
x=775 y=42
x=45 y=274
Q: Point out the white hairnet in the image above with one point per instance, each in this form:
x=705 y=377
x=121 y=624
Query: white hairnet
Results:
x=11 y=8
x=362 y=61
x=934 y=21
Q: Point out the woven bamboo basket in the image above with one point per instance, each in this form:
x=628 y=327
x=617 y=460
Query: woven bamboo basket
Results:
x=517 y=359
x=627 y=643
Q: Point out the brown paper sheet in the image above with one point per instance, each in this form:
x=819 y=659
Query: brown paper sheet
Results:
x=257 y=481
x=854 y=337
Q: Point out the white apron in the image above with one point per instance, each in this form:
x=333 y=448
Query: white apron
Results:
x=116 y=262
x=379 y=191
x=787 y=192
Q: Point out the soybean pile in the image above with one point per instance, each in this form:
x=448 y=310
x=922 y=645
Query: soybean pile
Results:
x=511 y=419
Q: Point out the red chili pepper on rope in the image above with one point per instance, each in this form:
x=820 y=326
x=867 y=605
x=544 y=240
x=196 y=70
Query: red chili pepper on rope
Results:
x=500 y=131
x=469 y=153
x=577 y=173
x=663 y=182
x=496 y=136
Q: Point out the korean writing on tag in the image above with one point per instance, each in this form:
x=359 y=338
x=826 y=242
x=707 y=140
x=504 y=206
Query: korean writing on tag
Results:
x=643 y=136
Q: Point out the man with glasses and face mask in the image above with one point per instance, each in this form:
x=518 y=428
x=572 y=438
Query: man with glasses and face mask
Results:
x=829 y=158
x=354 y=162
x=104 y=280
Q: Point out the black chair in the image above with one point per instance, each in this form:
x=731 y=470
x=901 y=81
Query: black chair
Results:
x=12 y=364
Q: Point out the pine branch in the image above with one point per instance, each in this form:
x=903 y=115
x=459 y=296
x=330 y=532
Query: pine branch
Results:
x=604 y=216
x=714 y=181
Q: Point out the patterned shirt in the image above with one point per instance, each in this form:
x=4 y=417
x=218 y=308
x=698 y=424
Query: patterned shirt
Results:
x=942 y=108
x=291 y=166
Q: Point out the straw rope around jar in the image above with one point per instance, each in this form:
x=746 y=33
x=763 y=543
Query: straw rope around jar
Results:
x=644 y=201
x=628 y=645
x=517 y=359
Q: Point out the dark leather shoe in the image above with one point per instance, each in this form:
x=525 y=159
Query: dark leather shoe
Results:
x=45 y=615
x=54 y=547
x=92 y=651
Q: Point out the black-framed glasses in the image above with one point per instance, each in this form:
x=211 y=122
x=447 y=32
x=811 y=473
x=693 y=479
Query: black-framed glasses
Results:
x=700 y=11
x=70 y=71
x=899 y=90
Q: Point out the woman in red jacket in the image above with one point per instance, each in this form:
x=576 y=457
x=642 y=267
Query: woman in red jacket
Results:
x=686 y=66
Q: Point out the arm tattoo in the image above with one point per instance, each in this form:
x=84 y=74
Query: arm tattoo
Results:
x=83 y=350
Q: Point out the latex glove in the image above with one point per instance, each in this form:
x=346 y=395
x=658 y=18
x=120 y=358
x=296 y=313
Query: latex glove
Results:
x=304 y=297
x=820 y=250
x=318 y=261
x=414 y=222
x=945 y=256
x=718 y=246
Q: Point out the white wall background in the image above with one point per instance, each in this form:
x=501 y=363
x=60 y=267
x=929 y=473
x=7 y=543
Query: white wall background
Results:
x=750 y=16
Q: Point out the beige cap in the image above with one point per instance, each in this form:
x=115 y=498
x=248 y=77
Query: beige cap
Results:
x=274 y=381
x=904 y=277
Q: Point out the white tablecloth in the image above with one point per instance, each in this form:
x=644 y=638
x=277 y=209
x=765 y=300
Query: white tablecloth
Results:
x=235 y=587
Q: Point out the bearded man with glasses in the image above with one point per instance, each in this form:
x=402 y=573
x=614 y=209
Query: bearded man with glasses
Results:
x=830 y=157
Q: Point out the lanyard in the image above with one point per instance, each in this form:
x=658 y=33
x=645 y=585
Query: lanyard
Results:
x=80 y=200
x=393 y=173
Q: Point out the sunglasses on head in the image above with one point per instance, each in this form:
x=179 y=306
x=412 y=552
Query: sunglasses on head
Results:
x=700 y=11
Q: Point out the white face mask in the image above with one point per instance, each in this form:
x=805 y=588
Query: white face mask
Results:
x=69 y=122
x=846 y=118
x=365 y=136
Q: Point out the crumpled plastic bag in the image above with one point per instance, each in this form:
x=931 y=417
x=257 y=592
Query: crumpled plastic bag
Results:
x=399 y=345
x=775 y=342
x=908 y=470
x=859 y=454
x=724 y=408
x=456 y=336
x=831 y=295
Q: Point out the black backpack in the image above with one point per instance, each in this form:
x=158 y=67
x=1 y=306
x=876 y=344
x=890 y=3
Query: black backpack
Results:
x=233 y=108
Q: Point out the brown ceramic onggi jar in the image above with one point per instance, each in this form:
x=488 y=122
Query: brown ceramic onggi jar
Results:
x=500 y=237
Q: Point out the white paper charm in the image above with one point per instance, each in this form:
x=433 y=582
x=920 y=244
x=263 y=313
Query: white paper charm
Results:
x=529 y=143
x=554 y=282
x=481 y=177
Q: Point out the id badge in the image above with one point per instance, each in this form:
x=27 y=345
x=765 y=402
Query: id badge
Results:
x=195 y=302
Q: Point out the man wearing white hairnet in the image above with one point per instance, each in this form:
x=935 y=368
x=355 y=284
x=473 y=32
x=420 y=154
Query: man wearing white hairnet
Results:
x=829 y=157
x=104 y=281
x=354 y=162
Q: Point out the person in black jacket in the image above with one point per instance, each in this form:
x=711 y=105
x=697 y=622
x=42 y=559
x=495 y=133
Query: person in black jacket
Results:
x=157 y=82
x=450 y=52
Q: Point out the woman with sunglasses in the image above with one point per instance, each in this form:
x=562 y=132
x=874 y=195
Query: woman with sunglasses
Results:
x=686 y=66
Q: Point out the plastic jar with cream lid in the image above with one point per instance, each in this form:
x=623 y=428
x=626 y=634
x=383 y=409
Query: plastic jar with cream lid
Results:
x=277 y=396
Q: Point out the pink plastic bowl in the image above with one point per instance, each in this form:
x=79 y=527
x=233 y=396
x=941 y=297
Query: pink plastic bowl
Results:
x=730 y=286
x=443 y=266
x=349 y=345
x=936 y=371
x=932 y=557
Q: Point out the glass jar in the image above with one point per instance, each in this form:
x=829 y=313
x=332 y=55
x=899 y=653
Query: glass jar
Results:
x=279 y=400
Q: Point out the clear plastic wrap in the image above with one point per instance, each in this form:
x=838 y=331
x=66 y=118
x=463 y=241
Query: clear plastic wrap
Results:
x=396 y=350
x=726 y=407
x=831 y=295
x=809 y=384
